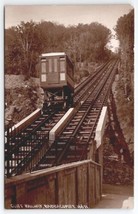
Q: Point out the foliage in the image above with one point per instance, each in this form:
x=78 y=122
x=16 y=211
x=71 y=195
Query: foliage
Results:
x=125 y=90
x=29 y=43
x=25 y=42
x=22 y=48
x=13 y=56
x=125 y=29
x=125 y=33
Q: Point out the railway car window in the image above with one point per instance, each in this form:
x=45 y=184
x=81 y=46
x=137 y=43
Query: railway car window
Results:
x=43 y=77
x=50 y=65
x=55 y=65
x=62 y=76
x=62 y=65
x=43 y=67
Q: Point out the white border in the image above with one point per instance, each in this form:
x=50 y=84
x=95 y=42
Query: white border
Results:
x=134 y=3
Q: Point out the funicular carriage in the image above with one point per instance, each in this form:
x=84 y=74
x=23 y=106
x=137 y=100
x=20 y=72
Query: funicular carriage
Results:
x=57 y=78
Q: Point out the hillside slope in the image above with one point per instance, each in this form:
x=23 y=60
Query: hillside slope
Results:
x=22 y=97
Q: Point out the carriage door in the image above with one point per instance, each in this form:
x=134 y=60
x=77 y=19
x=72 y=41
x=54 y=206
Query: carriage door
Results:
x=53 y=74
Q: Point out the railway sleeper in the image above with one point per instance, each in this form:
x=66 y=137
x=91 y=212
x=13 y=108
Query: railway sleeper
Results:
x=70 y=127
x=67 y=132
x=64 y=138
x=90 y=127
x=84 y=132
x=75 y=120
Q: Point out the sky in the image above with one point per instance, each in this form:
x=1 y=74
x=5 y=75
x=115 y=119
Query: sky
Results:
x=106 y=14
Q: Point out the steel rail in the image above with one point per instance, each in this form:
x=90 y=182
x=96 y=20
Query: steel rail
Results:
x=72 y=137
x=13 y=148
x=93 y=101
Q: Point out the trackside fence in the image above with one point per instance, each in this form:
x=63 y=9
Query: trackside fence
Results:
x=73 y=185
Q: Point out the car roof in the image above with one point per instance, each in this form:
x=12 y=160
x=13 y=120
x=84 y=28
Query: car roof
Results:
x=53 y=54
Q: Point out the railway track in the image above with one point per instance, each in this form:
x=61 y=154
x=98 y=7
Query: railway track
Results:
x=25 y=145
x=73 y=142
x=26 y=149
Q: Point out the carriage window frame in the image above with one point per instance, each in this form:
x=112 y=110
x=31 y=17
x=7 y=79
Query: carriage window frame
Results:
x=62 y=68
x=43 y=77
x=62 y=77
x=43 y=66
x=55 y=64
x=50 y=65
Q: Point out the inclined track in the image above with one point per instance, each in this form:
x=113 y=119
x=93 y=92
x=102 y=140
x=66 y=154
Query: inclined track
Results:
x=32 y=143
x=72 y=144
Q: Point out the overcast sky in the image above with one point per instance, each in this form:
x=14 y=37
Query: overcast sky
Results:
x=107 y=14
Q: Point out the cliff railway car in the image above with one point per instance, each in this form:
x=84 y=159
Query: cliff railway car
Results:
x=57 y=79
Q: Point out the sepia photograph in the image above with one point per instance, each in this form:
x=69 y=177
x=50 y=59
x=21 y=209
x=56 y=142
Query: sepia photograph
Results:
x=69 y=106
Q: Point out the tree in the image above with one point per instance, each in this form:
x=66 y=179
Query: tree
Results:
x=22 y=48
x=125 y=97
x=125 y=34
x=30 y=45
x=13 y=56
x=24 y=44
